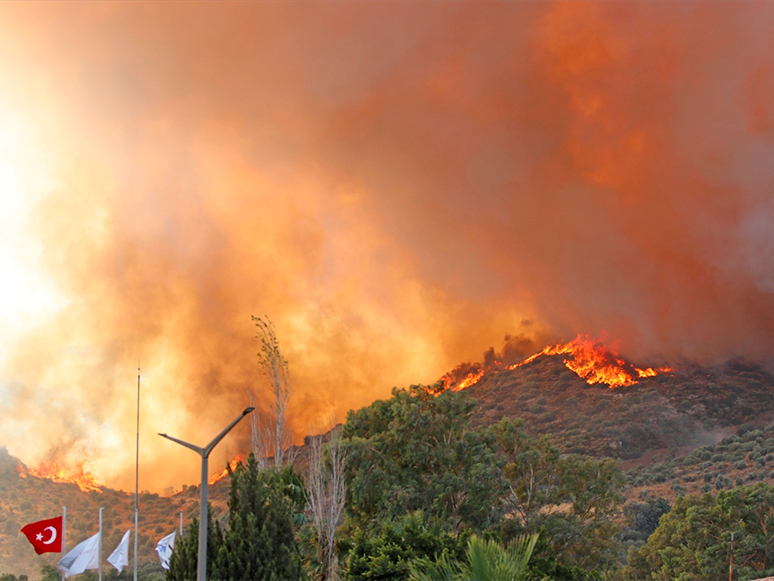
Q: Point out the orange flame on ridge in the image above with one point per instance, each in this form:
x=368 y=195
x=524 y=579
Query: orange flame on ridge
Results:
x=596 y=363
x=220 y=475
x=588 y=358
x=471 y=379
x=57 y=472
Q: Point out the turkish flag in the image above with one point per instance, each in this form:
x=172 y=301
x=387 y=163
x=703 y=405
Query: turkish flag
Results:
x=45 y=535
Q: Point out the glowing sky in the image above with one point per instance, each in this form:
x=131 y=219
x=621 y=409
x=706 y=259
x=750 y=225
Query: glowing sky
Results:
x=396 y=185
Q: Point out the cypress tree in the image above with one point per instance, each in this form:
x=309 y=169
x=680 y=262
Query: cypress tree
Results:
x=259 y=543
x=184 y=561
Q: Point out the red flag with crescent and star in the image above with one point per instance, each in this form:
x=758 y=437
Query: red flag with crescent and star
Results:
x=45 y=535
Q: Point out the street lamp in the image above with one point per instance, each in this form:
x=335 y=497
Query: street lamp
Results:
x=201 y=566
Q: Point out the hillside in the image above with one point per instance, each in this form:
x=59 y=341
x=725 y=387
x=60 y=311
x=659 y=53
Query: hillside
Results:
x=651 y=425
x=28 y=499
x=689 y=430
x=686 y=407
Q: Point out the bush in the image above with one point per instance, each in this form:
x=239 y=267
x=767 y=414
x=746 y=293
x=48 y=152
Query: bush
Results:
x=745 y=429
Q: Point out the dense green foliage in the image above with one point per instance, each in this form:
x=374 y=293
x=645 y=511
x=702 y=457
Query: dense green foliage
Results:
x=571 y=499
x=643 y=517
x=693 y=541
x=387 y=553
x=259 y=542
x=483 y=560
x=420 y=450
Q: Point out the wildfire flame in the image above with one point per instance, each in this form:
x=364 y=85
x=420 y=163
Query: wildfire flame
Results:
x=587 y=358
x=596 y=363
x=471 y=379
x=220 y=475
x=58 y=472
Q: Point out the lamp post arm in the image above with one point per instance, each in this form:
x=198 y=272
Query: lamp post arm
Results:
x=196 y=449
x=208 y=448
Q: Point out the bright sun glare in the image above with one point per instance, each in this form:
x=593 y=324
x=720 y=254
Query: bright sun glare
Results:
x=25 y=177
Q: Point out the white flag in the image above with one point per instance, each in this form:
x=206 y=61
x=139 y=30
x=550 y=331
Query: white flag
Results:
x=120 y=557
x=164 y=549
x=84 y=556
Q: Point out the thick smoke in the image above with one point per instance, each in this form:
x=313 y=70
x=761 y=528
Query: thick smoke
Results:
x=396 y=185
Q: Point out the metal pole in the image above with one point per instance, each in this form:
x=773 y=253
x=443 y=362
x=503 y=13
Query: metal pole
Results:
x=731 y=563
x=201 y=565
x=181 y=525
x=64 y=533
x=99 y=544
x=137 y=476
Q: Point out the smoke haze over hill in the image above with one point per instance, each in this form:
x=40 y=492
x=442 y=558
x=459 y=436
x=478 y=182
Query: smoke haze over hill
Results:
x=396 y=185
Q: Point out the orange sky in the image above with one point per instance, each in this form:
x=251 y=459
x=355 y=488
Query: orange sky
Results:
x=396 y=185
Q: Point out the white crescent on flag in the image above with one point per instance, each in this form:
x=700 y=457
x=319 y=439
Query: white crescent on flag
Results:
x=53 y=535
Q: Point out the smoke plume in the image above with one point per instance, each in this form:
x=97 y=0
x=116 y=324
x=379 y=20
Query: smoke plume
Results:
x=397 y=186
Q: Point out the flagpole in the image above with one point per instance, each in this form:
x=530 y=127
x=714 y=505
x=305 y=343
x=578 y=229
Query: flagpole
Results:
x=99 y=542
x=137 y=475
x=64 y=534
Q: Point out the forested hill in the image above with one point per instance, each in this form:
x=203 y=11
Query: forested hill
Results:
x=674 y=411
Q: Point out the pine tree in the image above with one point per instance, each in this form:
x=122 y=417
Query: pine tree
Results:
x=182 y=565
x=259 y=542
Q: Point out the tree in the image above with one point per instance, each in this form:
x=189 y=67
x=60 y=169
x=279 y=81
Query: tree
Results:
x=571 y=500
x=274 y=437
x=693 y=541
x=484 y=560
x=259 y=542
x=387 y=552
x=643 y=517
x=419 y=450
x=326 y=498
x=184 y=560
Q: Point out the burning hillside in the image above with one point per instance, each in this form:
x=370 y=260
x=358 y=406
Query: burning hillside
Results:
x=58 y=472
x=392 y=208
x=216 y=476
x=586 y=357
